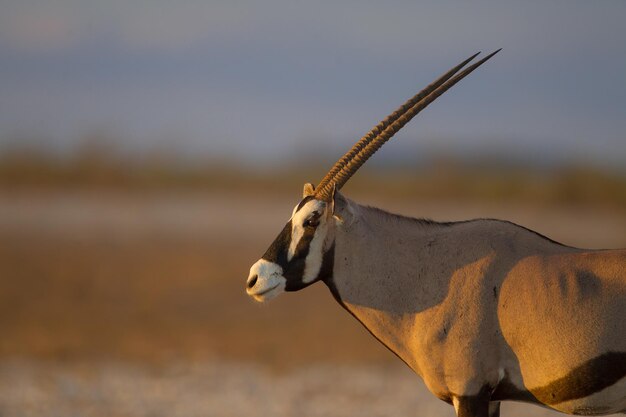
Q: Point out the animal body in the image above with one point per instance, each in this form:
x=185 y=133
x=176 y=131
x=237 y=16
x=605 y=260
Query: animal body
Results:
x=483 y=310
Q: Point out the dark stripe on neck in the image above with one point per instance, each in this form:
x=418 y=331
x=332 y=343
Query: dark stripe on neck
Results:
x=328 y=265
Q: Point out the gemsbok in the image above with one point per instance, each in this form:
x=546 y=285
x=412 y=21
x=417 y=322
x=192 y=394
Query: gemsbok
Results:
x=483 y=310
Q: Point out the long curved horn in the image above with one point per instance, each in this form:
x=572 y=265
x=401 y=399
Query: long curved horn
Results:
x=376 y=130
x=357 y=156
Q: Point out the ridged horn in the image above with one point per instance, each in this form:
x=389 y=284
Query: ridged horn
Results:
x=376 y=130
x=345 y=167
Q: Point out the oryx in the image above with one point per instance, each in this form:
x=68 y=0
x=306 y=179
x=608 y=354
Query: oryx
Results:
x=483 y=310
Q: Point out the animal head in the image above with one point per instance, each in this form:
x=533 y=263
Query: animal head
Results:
x=303 y=251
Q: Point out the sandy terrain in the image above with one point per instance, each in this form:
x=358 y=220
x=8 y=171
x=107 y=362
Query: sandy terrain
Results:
x=219 y=389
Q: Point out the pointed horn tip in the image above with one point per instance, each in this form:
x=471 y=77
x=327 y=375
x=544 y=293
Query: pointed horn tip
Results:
x=493 y=53
x=470 y=59
x=482 y=61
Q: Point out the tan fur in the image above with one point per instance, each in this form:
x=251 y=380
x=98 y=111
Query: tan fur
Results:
x=467 y=304
x=578 y=298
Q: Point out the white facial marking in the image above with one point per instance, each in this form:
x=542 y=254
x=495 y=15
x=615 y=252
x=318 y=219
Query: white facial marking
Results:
x=313 y=262
x=297 y=221
x=269 y=283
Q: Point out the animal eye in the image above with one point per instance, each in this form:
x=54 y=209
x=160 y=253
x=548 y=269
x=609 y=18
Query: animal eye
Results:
x=312 y=222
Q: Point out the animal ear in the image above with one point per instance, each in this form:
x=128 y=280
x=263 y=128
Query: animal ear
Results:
x=331 y=204
x=308 y=190
x=343 y=211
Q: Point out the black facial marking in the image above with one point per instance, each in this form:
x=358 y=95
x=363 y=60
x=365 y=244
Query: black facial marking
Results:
x=590 y=377
x=325 y=273
x=277 y=252
x=295 y=267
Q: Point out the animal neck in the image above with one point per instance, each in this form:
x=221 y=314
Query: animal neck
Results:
x=381 y=272
x=382 y=259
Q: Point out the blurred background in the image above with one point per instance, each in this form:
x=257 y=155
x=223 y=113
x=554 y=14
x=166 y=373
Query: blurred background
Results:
x=150 y=151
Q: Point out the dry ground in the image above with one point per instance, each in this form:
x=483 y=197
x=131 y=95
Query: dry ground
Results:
x=133 y=304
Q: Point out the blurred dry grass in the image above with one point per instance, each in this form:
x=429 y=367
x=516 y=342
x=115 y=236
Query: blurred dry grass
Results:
x=102 y=260
x=97 y=166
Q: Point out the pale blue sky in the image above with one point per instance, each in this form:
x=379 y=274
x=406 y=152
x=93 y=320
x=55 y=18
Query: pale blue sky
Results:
x=268 y=79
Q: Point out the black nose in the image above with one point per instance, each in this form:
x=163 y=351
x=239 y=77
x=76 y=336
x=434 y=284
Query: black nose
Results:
x=252 y=281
